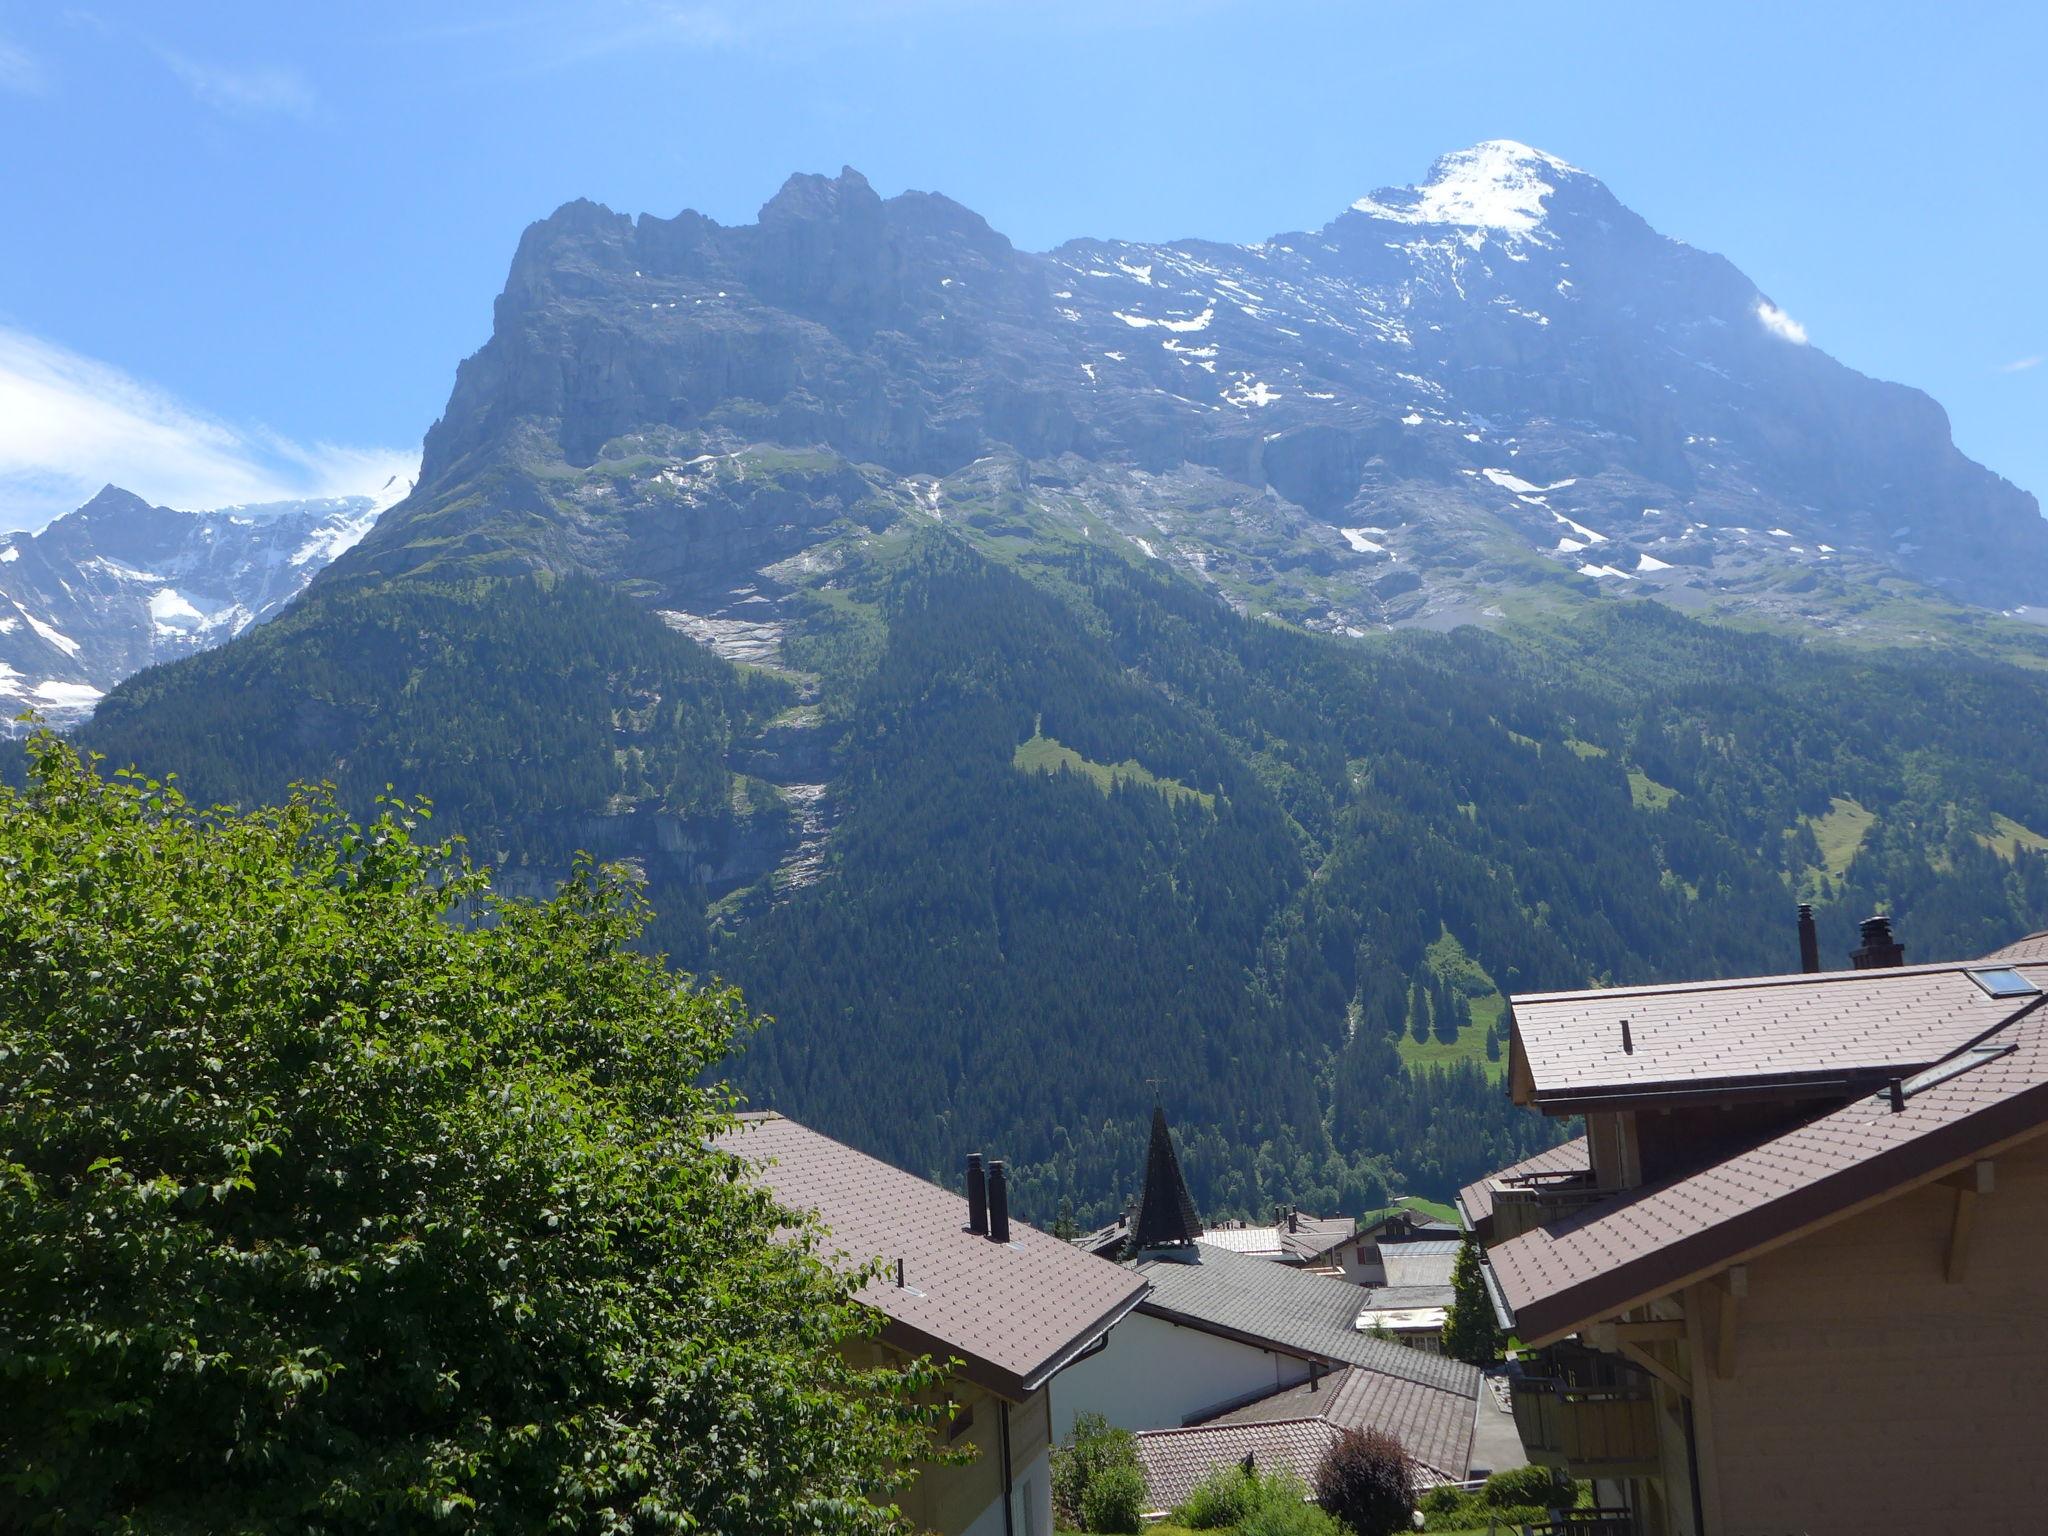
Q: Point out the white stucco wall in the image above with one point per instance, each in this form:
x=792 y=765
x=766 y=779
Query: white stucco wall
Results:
x=1158 y=1375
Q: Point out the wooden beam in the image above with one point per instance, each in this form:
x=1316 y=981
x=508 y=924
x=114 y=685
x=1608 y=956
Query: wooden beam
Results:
x=1980 y=1178
x=1960 y=1222
x=1727 y=1310
x=1657 y=1368
x=1656 y=1331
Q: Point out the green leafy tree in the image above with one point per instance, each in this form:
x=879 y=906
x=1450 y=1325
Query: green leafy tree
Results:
x=1471 y=1331
x=1064 y=1226
x=1095 y=1451
x=323 y=1211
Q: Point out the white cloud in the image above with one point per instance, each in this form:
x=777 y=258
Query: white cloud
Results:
x=2020 y=364
x=1780 y=324
x=20 y=71
x=70 y=424
x=262 y=91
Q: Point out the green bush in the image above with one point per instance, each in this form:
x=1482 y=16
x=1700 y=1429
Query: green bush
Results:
x=1093 y=1447
x=1281 y=1507
x=1220 y=1500
x=1114 y=1501
x=1528 y=1487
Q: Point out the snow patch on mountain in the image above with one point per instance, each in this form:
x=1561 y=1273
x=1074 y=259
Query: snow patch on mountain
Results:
x=1499 y=185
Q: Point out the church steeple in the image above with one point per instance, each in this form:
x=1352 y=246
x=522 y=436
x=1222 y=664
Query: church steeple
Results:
x=1166 y=1225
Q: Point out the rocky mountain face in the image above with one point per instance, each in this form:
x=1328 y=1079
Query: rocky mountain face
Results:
x=1498 y=389
x=119 y=585
x=896 y=603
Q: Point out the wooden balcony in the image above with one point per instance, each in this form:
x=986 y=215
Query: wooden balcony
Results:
x=1587 y=1414
x=1519 y=1207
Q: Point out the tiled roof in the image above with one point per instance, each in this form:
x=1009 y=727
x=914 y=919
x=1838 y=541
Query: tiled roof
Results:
x=1646 y=1242
x=1317 y=1235
x=1433 y=1424
x=1013 y=1312
x=1830 y=1028
x=1311 y=1236
x=1175 y=1460
x=1403 y=1298
x=1308 y=1315
x=2033 y=947
x=1476 y=1200
x=1424 y=1262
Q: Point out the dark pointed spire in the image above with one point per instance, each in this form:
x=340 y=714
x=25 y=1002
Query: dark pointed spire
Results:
x=1166 y=1216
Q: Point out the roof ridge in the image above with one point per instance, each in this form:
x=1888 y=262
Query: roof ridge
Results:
x=1773 y=979
x=1217 y=1426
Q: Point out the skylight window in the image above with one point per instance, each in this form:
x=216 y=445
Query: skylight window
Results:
x=2004 y=981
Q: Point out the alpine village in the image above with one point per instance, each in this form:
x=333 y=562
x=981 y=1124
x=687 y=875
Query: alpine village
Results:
x=1392 y=878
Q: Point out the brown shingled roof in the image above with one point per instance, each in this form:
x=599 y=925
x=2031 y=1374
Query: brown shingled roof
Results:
x=1831 y=1031
x=1651 y=1241
x=1013 y=1312
x=2033 y=947
x=1434 y=1424
x=1475 y=1201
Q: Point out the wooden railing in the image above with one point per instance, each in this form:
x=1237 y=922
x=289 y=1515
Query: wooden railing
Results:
x=1519 y=1207
x=1585 y=1522
x=1588 y=1414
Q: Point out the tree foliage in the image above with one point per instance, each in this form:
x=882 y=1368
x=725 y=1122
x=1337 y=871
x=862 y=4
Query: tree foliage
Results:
x=1471 y=1330
x=321 y=1211
x=1364 y=1479
x=990 y=958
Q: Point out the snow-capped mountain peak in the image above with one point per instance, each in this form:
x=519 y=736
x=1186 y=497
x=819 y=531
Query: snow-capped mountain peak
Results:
x=1499 y=185
x=118 y=585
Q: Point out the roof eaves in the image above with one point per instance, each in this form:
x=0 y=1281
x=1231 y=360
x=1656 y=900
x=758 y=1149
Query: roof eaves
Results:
x=1240 y=1335
x=1833 y=1197
x=1086 y=1339
x=1733 y=1087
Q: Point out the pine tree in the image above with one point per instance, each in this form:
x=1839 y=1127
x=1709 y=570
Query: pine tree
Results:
x=1471 y=1331
x=1418 y=1012
x=1446 y=1019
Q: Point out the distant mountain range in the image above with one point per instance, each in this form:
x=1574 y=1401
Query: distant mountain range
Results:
x=1026 y=673
x=119 y=585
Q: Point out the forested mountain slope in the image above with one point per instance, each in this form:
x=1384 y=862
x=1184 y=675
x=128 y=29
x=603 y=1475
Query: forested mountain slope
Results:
x=985 y=657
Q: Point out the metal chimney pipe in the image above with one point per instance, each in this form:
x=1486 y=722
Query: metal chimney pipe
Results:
x=1293 y=1218
x=998 y=1203
x=977 y=1195
x=1809 y=940
x=1879 y=950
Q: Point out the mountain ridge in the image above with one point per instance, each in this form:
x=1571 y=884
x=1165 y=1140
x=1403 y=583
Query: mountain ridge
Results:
x=117 y=585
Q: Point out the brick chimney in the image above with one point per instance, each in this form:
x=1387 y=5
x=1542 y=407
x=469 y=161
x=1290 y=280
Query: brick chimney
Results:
x=1879 y=949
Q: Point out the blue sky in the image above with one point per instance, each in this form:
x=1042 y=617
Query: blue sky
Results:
x=243 y=247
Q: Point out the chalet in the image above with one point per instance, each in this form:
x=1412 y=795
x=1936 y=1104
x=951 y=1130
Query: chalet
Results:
x=1224 y=1349
x=1790 y=1278
x=964 y=1281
